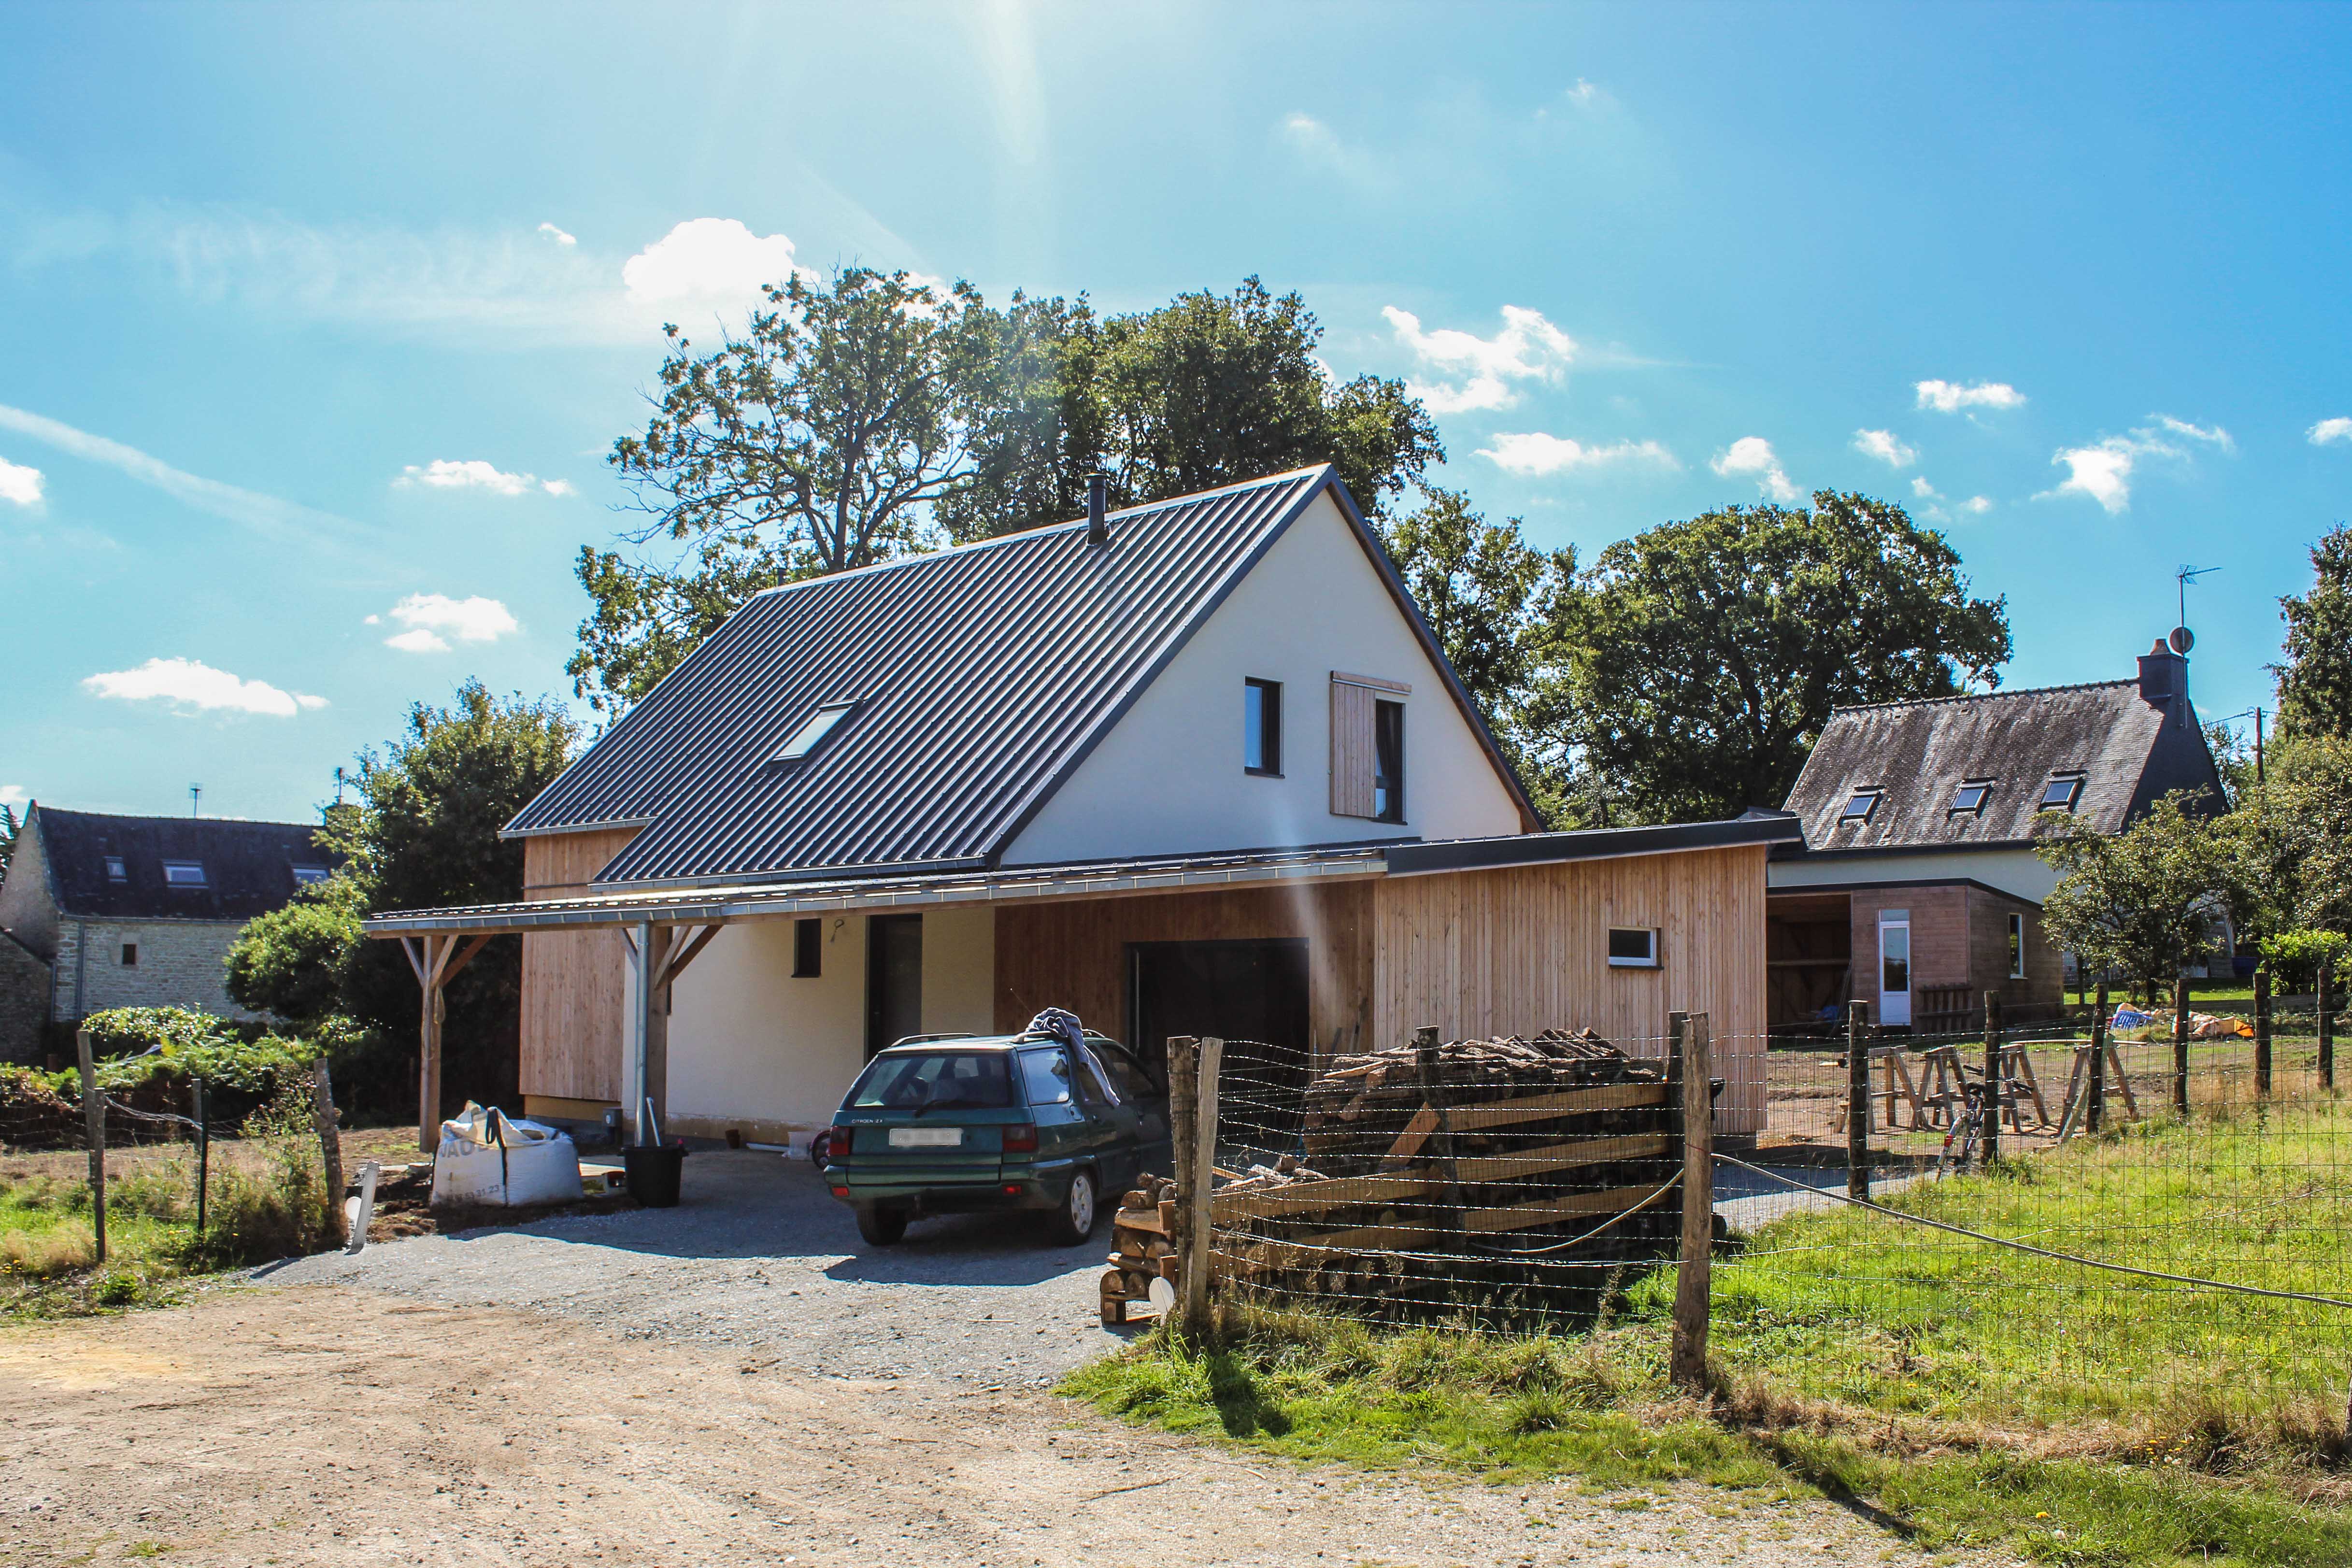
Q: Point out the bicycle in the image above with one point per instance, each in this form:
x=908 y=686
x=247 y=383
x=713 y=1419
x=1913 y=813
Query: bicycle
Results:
x=1968 y=1128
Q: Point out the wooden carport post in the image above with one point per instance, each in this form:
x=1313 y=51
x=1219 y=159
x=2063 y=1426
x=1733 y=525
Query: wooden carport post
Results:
x=439 y=960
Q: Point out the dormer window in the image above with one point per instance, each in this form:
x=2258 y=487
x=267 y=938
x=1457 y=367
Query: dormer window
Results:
x=115 y=869
x=1968 y=800
x=813 y=732
x=1859 y=807
x=2061 y=791
x=183 y=873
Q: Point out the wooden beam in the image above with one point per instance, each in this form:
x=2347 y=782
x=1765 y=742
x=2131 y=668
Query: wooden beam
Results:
x=684 y=955
x=1337 y=1192
x=416 y=964
x=1517 y=1216
x=473 y=945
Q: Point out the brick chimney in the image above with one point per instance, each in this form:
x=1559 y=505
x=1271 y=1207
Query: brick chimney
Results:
x=2164 y=681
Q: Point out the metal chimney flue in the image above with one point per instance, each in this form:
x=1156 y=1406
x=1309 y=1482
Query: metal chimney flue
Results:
x=1097 y=505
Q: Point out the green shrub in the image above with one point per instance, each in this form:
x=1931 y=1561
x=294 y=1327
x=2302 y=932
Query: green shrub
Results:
x=2295 y=958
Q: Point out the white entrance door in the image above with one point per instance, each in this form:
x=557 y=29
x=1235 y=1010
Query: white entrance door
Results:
x=1894 y=966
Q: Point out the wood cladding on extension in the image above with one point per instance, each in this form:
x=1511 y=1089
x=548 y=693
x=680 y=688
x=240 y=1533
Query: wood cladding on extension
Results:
x=571 y=979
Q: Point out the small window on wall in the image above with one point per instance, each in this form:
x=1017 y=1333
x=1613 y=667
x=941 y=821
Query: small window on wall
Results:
x=808 y=949
x=130 y=955
x=2017 y=947
x=1632 y=947
x=1262 y=727
x=1388 y=758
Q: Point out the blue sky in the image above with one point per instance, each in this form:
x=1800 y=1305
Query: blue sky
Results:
x=316 y=321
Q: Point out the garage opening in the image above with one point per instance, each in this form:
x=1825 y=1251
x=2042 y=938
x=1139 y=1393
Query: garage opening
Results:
x=1808 y=962
x=1251 y=994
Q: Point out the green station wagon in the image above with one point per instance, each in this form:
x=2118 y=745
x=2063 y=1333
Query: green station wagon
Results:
x=965 y=1123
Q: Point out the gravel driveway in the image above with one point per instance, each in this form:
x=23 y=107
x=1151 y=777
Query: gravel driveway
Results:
x=758 y=1257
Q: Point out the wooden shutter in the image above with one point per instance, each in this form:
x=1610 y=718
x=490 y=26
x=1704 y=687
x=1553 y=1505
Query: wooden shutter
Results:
x=1353 y=753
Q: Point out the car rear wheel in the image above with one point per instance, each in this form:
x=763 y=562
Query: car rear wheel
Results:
x=883 y=1227
x=1074 y=1220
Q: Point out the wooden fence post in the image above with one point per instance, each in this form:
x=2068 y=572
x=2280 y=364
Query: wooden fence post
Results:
x=2326 y=1030
x=1993 y=1071
x=204 y=1152
x=1688 y=1357
x=93 y=1113
x=1200 y=1230
x=2099 y=1048
x=2180 y=1048
x=2263 y=1032
x=1433 y=1093
x=1183 y=1102
x=1857 y=1101
x=331 y=1153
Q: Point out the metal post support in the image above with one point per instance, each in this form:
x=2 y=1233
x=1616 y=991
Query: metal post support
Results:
x=1992 y=1074
x=2263 y=1032
x=642 y=1020
x=2099 y=1048
x=93 y=1112
x=1857 y=1101
x=1687 y=1355
x=2180 y=1048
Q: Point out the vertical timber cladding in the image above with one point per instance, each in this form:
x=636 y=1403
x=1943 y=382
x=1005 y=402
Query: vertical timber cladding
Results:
x=1514 y=951
x=1073 y=954
x=571 y=979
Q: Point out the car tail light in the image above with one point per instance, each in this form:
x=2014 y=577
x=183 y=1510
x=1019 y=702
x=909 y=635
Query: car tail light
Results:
x=840 y=1191
x=836 y=1143
x=1021 y=1139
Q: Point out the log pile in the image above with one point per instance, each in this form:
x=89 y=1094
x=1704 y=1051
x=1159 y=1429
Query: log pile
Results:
x=1143 y=1247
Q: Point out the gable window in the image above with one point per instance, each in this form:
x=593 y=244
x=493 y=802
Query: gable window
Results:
x=1968 y=800
x=130 y=955
x=115 y=870
x=2017 y=947
x=1368 y=747
x=2061 y=791
x=309 y=876
x=183 y=873
x=1262 y=727
x=813 y=732
x=1632 y=947
x=1859 y=806
x=808 y=948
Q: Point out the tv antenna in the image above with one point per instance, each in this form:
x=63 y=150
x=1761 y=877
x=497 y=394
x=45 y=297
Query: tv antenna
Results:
x=2181 y=639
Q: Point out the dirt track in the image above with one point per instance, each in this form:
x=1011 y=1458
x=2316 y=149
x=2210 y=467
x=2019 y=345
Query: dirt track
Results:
x=331 y=1424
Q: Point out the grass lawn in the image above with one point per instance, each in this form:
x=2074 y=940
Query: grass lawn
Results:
x=1978 y=1396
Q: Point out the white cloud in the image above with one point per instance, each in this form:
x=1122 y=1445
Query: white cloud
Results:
x=14 y=796
x=1978 y=505
x=708 y=262
x=1752 y=455
x=2102 y=469
x=1950 y=396
x=1882 y=445
x=2213 y=436
x=473 y=474
x=557 y=235
x=264 y=514
x=189 y=684
x=1584 y=95
x=2327 y=430
x=1528 y=348
x=1533 y=452
x=429 y=615
x=1923 y=489
x=20 y=484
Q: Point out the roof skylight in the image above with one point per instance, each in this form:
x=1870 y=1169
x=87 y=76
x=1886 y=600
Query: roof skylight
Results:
x=813 y=732
x=1860 y=807
x=2061 y=791
x=1968 y=800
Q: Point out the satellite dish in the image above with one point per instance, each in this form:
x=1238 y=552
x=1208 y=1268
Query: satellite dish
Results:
x=2181 y=639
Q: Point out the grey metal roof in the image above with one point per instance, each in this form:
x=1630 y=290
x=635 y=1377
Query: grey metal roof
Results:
x=1920 y=754
x=248 y=866
x=983 y=676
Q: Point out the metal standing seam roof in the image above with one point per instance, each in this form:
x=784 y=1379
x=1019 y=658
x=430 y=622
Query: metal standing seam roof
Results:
x=981 y=674
x=1919 y=755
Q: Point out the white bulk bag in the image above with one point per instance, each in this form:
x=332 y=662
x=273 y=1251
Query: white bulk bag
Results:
x=488 y=1157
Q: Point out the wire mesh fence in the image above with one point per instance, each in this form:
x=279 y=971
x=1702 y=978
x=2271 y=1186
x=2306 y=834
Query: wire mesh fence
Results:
x=2058 y=1218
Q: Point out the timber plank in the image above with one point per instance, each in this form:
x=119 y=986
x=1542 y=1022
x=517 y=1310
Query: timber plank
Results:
x=1315 y=1198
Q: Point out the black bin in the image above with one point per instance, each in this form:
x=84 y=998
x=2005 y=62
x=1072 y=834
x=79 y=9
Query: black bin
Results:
x=653 y=1172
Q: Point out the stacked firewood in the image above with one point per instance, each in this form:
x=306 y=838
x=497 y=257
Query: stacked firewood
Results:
x=1144 y=1248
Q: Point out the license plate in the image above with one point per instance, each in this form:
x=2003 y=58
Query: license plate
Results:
x=927 y=1137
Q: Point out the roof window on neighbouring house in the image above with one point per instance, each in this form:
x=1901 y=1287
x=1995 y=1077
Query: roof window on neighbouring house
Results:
x=183 y=873
x=813 y=732
x=1968 y=800
x=1859 y=806
x=115 y=869
x=309 y=876
x=2061 y=791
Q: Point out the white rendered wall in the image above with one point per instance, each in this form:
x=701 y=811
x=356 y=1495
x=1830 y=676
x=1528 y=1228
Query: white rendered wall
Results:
x=753 y=1048
x=2018 y=871
x=1169 y=778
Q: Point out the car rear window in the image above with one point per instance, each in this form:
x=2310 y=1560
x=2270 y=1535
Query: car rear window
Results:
x=975 y=1081
x=1046 y=1076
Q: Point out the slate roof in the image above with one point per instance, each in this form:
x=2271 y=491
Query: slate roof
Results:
x=248 y=866
x=1920 y=754
x=983 y=676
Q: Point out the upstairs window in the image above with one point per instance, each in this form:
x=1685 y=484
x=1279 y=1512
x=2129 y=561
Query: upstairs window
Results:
x=1968 y=800
x=813 y=732
x=2017 y=947
x=1859 y=807
x=309 y=876
x=2061 y=791
x=1262 y=728
x=1368 y=747
x=115 y=869
x=130 y=955
x=183 y=873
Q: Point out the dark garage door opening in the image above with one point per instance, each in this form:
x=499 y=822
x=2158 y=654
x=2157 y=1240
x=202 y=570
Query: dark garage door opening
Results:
x=1247 y=993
